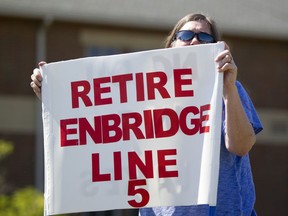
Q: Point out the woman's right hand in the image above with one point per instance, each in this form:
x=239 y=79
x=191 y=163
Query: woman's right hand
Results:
x=36 y=78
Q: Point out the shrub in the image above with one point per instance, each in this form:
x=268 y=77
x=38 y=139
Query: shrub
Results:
x=23 y=202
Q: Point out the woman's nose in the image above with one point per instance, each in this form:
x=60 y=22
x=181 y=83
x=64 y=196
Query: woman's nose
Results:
x=194 y=41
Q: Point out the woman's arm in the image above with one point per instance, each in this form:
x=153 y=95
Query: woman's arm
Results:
x=239 y=136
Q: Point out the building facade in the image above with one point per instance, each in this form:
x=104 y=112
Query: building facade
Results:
x=26 y=37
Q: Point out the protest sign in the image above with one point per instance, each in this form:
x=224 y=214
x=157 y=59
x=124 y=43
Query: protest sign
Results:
x=132 y=130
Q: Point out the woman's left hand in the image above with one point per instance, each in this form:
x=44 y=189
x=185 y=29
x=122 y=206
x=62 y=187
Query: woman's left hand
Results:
x=227 y=65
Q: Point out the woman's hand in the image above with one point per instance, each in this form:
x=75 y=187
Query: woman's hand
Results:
x=36 y=78
x=227 y=65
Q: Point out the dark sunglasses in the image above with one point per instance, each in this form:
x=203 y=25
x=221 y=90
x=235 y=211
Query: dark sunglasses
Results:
x=188 y=35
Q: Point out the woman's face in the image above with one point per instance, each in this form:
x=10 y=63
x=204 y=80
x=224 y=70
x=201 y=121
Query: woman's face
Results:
x=195 y=26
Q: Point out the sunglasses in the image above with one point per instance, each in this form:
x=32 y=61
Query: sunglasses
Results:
x=188 y=35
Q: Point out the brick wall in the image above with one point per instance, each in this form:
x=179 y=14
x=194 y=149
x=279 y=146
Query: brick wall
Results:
x=17 y=55
x=263 y=69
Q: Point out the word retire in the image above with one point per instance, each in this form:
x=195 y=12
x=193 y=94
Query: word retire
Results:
x=154 y=81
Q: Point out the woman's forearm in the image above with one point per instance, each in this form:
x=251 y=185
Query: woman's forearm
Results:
x=240 y=136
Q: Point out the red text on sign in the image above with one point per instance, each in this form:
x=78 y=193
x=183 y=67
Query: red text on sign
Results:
x=155 y=82
x=113 y=127
x=136 y=163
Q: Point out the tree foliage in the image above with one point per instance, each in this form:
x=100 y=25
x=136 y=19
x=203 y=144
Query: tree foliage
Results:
x=23 y=202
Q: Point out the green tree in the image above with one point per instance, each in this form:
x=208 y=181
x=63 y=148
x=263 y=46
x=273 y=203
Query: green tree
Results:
x=6 y=149
x=22 y=202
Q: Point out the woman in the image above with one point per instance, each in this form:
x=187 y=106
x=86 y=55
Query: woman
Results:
x=236 y=194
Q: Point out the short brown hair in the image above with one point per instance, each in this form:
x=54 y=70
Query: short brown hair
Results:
x=192 y=17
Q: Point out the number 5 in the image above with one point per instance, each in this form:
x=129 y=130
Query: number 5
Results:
x=132 y=191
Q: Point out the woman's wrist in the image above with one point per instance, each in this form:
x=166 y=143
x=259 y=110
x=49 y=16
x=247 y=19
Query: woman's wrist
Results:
x=229 y=91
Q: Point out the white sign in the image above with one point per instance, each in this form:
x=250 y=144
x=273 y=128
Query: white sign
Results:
x=132 y=130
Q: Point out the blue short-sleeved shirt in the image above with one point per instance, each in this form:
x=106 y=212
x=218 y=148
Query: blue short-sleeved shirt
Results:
x=236 y=194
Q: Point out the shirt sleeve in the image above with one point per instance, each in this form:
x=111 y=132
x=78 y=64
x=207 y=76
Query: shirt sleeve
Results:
x=249 y=108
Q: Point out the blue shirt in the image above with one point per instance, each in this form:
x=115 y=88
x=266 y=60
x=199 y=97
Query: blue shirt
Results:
x=236 y=193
